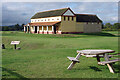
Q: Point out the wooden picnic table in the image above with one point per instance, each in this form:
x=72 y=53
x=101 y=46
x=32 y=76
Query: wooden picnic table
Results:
x=96 y=52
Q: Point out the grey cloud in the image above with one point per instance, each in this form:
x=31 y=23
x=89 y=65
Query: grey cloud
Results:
x=21 y=12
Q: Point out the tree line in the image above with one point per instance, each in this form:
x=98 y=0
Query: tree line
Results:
x=111 y=27
x=105 y=27
x=15 y=27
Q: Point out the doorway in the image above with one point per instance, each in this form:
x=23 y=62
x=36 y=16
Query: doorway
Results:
x=54 y=29
x=26 y=29
x=35 y=29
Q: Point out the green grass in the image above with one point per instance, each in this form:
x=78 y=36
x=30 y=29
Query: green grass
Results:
x=45 y=55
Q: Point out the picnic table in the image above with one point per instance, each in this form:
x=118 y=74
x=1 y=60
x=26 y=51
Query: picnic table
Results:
x=94 y=53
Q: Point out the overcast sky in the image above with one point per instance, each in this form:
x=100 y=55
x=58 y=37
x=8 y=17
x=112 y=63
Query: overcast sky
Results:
x=21 y=12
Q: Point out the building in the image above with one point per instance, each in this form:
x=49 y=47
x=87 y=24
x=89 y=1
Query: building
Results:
x=63 y=21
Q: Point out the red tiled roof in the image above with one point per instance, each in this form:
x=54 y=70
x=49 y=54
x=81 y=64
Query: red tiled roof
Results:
x=43 y=23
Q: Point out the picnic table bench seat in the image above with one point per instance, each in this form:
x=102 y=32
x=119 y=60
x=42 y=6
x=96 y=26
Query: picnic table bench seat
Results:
x=73 y=59
x=94 y=56
x=108 y=62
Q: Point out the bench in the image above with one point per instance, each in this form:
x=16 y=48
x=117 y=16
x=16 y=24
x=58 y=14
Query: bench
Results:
x=73 y=59
x=108 y=62
x=94 y=56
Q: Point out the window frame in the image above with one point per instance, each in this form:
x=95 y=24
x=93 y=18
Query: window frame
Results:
x=64 y=18
x=72 y=18
x=68 y=18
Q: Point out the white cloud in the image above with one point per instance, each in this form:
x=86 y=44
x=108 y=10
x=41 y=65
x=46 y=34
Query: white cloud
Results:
x=108 y=12
x=114 y=18
x=59 y=0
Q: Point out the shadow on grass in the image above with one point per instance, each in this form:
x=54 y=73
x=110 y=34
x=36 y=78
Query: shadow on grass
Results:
x=83 y=35
x=13 y=74
x=100 y=34
x=62 y=35
x=117 y=68
x=95 y=68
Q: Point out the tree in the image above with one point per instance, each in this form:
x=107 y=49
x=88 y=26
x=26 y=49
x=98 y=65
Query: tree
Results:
x=108 y=25
x=17 y=27
x=116 y=26
x=11 y=29
x=22 y=26
x=5 y=28
x=102 y=26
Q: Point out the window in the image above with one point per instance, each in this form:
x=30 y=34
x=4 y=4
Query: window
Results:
x=57 y=18
x=68 y=18
x=87 y=23
x=48 y=19
x=38 y=20
x=72 y=18
x=45 y=19
x=52 y=19
x=97 y=22
x=41 y=20
x=35 y=20
x=64 y=18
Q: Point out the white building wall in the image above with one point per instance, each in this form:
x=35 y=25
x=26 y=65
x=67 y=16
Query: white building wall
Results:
x=48 y=19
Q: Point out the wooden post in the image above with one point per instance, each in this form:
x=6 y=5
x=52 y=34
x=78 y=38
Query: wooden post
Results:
x=109 y=65
x=42 y=30
x=34 y=29
x=47 y=28
x=38 y=29
x=27 y=29
x=24 y=29
x=52 y=29
x=73 y=63
x=14 y=46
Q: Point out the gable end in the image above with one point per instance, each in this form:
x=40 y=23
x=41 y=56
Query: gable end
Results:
x=68 y=12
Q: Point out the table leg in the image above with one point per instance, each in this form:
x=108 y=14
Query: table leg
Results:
x=106 y=57
x=109 y=65
x=98 y=58
x=111 y=68
x=71 y=65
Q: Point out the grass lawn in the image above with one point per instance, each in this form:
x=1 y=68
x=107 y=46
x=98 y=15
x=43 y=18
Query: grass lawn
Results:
x=45 y=55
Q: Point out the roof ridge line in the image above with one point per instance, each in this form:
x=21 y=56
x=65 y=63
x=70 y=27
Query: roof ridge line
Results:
x=52 y=10
x=87 y=14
